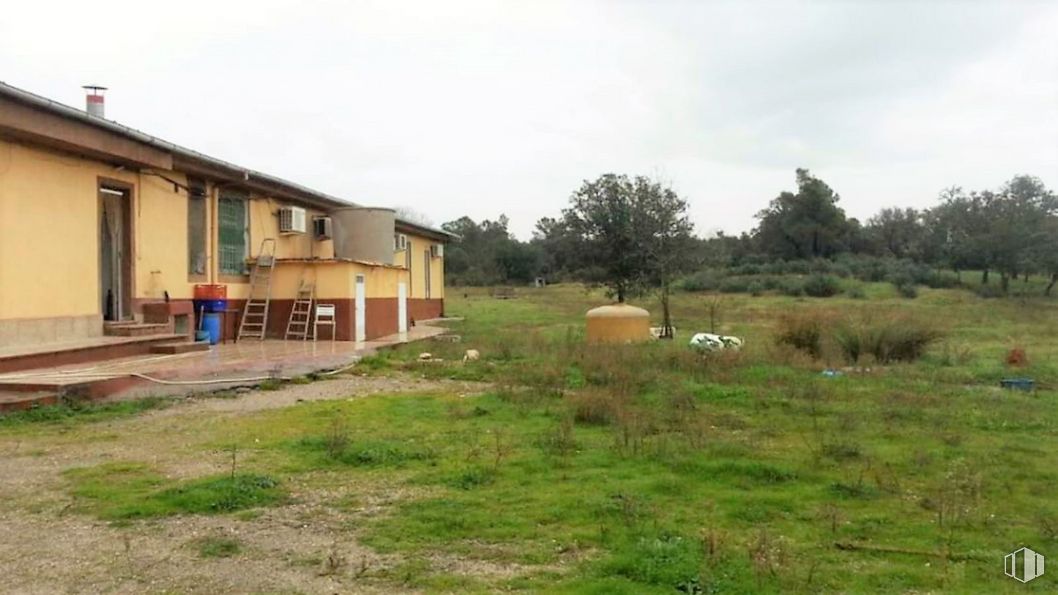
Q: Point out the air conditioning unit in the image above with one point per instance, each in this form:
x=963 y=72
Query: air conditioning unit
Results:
x=291 y=220
x=321 y=228
x=400 y=242
x=437 y=250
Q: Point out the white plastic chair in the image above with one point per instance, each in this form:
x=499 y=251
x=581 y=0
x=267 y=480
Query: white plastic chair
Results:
x=325 y=315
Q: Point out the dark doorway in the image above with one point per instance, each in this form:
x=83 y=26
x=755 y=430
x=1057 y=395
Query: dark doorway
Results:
x=115 y=251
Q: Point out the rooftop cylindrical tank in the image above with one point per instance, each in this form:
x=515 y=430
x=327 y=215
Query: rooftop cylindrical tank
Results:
x=618 y=323
x=364 y=233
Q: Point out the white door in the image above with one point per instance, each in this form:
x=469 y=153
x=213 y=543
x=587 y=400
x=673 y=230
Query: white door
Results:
x=361 y=310
x=402 y=307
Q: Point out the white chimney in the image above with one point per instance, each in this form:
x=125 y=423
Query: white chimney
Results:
x=94 y=100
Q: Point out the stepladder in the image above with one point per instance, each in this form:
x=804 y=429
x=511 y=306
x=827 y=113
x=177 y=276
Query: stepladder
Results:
x=254 y=321
x=300 y=321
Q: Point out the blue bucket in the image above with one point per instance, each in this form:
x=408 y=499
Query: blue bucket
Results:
x=211 y=324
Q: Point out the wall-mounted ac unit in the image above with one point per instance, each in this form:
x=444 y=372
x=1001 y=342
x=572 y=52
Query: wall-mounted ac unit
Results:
x=291 y=220
x=400 y=242
x=437 y=250
x=321 y=228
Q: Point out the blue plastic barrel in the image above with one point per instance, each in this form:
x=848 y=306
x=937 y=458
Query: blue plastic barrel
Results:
x=210 y=305
x=211 y=324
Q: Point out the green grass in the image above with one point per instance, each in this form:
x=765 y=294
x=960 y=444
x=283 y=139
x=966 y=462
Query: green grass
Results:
x=81 y=412
x=128 y=491
x=736 y=473
x=654 y=469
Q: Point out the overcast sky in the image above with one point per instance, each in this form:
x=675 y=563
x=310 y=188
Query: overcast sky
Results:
x=480 y=108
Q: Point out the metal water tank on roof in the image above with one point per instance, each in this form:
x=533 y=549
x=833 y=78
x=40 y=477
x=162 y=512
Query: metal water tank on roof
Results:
x=364 y=233
x=618 y=323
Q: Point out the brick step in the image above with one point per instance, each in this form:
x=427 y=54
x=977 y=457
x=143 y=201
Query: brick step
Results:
x=20 y=401
x=134 y=329
x=179 y=347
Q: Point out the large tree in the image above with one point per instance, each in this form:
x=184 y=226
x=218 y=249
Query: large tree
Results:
x=805 y=224
x=1016 y=217
x=631 y=233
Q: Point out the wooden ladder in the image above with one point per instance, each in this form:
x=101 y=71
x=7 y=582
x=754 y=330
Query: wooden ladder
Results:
x=255 y=314
x=301 y=313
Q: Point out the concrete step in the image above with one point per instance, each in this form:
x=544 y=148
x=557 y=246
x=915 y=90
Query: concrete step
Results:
x=50 y=356
x=134 y=329
x=179 y=347
x=20 y=401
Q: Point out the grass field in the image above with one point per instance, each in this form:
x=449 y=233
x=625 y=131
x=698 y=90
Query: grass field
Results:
x=747 y=472
x=652 y=468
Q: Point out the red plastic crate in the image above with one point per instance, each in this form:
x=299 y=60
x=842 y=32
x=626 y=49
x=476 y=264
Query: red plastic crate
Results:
x=211 y=292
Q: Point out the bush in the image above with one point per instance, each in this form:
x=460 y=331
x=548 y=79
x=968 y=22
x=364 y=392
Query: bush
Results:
x=594 y=407
x=701 y=281
x=756 y=288
x=792 y=286
x=822 y=286
x=735 y=285
x=802 y=332
x=907 y=290
x=856 y=291
x=891 y=340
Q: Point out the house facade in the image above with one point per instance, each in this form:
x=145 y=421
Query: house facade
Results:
x=99 y=221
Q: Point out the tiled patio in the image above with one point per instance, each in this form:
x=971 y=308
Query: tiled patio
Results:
x=223 y=366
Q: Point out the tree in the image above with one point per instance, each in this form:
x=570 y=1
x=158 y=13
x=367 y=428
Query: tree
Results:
x=897 y=232
x=808 y=224
x=956 y=231
x=1016 y=214
x=558 y=247
x=630 y=234
x=1045 y=251
x=667 y=242
x=486 y=254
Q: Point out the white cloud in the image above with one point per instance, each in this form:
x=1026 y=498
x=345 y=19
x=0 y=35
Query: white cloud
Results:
x=485 y=107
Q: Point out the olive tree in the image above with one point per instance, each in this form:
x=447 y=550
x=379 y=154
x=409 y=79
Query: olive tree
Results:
x=633 y=234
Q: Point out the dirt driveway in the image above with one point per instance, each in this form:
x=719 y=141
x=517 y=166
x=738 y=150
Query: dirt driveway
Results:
x=305 y=547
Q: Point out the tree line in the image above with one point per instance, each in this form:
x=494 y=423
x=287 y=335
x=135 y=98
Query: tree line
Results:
x=633 y=234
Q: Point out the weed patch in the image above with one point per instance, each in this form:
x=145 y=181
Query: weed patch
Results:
x=216 y=547
x=116 y=491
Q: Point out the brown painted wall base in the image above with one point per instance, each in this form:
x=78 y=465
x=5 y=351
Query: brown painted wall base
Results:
x=423 y=309
x=380 y=318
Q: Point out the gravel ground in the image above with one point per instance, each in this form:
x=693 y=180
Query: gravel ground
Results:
x=308 y=546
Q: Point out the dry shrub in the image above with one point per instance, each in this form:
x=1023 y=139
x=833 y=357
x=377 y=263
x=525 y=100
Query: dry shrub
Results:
x=897 y=338
x=783 y=354
x=1017 y=357
x=802 y=331
x=633 y=425
x=684 y=418
x=560 y=440
x=892 y=338
x=595 y=407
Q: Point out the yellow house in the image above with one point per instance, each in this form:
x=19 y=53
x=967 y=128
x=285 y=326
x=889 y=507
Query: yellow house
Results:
x=100 y=222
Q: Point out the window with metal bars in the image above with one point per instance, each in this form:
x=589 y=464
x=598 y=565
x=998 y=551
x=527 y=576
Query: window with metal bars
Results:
x=196 y=227
x=232 y=233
